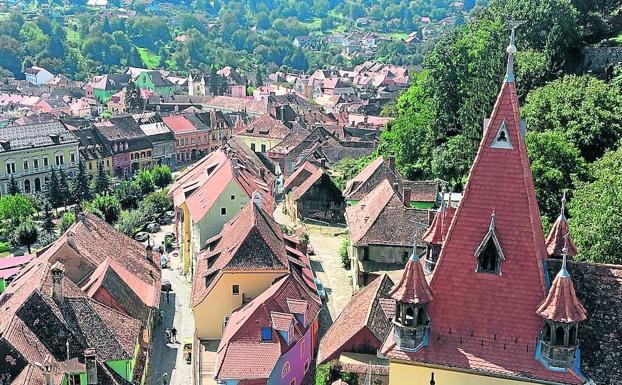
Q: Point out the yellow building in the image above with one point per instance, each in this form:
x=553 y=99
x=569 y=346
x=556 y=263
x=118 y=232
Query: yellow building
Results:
x=262 y=133
x=239 y=263
x=212 y=191
x=28 y=154
x=487 y=312
x=93 y=151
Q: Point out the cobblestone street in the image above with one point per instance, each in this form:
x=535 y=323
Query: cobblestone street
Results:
x=168 y=356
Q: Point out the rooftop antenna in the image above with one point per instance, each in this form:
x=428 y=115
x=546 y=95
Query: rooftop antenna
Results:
x=511 y=50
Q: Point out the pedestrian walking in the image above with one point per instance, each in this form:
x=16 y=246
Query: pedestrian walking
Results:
x=168 y=335
x=165 y=379
x=167 y=294
x=174 y=334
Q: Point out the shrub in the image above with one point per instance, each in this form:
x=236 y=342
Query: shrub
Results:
x=343 y=253
x=326 y=373
x=66 y=221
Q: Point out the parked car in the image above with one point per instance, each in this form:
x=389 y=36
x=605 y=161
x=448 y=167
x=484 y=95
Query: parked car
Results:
x=158 y=249
x=164 y=220
x=141 y=236
x=153 y=227
x=163 y=261
x=166 y=285
x=170 y=214
x=170 y=235
x=320 y=289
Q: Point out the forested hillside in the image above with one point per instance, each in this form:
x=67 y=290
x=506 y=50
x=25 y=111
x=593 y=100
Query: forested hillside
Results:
x=78 y=40
x=574 y=119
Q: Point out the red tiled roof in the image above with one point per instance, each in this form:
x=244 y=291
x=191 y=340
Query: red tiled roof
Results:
x=179 y=124
x=562 y=305
x=242 y=337
x=301 y=190
x=365 y=310
x=436 y=233
x=229 y=103
x=413 y=286
x=488 y=322
x=299 y=176
x=557 y=238
x=264 y=127
x=251 y=240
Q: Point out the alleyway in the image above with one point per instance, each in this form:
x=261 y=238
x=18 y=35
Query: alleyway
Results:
x=168 y=357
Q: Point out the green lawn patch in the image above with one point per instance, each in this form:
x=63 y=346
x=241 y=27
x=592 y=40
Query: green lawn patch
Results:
x=150 y=59
x=618 y=39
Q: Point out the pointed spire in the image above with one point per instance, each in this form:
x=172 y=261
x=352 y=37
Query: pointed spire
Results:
x=559 y=236
x=413 y=287
x=562 y=304
x=511 y=50
x=491 y=227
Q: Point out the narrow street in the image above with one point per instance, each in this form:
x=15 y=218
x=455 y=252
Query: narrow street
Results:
x=168 y=356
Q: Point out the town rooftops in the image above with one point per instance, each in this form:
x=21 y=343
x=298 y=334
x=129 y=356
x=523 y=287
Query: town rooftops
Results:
x=54 y=133
x=298 y=177
x=112 y=82
x=123 y=129
x=372 y=174
x=44 y=320
x=231 y=104
x=367 y=317
x=34 y=70
x=179 y=124
x=287 y=306
x=92 y=146
x=264 y=127
x=382 y=219
x=250 y=241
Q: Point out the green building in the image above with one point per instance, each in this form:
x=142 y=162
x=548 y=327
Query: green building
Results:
x=155 y=82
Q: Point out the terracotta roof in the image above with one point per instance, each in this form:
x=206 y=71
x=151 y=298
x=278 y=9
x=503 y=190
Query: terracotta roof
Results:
x=298 y=177
x=413 y=286
x=228 y=103
x=368 y=178
x=363 y=312
x=251 y=240
x=304 y=187
x=382 y=219
x=557 y=238
x=242 y=337
x=436 y=233
x=179 y=124
x=264 y=126
x=562 y=305
x=487 y=322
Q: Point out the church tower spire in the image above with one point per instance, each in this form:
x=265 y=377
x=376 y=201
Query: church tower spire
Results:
x=559 y=236
x=511 y=50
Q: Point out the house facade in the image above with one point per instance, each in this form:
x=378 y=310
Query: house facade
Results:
x=132 y=150
x=263 y=133
x=316 y=198
x=191 y=142
x=94 y=150
x=28 y=154
x=38 y=76
x=155 y=82
x=162 y=139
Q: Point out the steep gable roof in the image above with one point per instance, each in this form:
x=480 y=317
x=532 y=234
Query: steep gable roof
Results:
x=242 y=337
x=364 y=311
x=264 y=126
x=251 y=241
x=369 y=177
x=382 y=219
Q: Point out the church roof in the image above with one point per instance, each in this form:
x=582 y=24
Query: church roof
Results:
x=436 y=233
x=557 y=235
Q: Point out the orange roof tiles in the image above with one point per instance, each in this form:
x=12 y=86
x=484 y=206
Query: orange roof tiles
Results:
x=413 y=286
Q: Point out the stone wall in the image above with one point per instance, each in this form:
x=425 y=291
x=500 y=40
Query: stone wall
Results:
x=599 y=288
x=596 y=59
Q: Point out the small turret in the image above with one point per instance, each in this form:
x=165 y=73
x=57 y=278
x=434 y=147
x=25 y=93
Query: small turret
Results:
x=562 y=313
x=559 y=236
x=412 y=294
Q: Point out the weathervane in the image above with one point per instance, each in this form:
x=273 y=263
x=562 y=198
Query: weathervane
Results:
x=511 y=50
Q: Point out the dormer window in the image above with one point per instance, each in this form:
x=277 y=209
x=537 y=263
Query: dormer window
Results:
x=502 y=139
x=300 y=318
x=266 y=334
x=489 y=253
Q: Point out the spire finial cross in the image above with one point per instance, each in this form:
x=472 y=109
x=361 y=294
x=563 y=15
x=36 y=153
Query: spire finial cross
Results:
x=563 y=213
x=564 y=271
x=511 y=50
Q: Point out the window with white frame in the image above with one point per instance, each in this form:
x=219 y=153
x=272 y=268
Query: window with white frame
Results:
x=25 y=164
x=10 y=167
x=60 y=159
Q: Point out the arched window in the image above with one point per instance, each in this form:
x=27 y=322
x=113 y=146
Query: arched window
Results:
x=547 y=332
x=410 y=316
x=285 y=370
x=420 y=316
x=37 y=184
x=27 y=186
x=572 y=336
x=489 y=259
x=559 y=336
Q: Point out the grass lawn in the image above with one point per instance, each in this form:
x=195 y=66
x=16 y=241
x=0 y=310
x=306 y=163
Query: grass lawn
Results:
x=150 y=59
x=313 y=25
x=398 y=35
x=618 y=39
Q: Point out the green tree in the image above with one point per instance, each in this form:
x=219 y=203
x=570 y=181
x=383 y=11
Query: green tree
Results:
x=48 y=224
x=155 y=204
x=16 y=209
x=26 y=234
x=131 y=222
x=133 y=99
x=556 y=164
x=67 y=219
x=102 y=181
x=134 y=59
x=13 y=186
x=596 y=212
x=587 y=110
x=54 y=193
x=162 y=176
x=105 y=206
x=128 y=194
x=145 y=181
x=63 y=187
x=81 y=190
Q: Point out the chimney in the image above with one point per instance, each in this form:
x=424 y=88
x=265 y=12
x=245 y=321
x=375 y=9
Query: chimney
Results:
x=58 y=272
x=406 y=196
x=47 y=374
x=392 y=160
x=91 y=367
x=6 y=145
